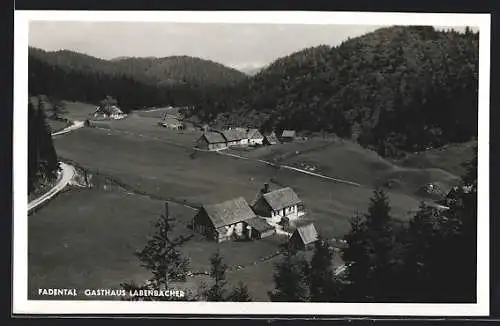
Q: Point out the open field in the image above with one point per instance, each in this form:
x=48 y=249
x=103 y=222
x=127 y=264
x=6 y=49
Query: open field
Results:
x=157 y=167
x=148 y=127
x=449 y=157
x=349 y=161
x=78 y=111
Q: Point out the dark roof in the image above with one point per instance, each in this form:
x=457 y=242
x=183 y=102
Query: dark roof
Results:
x=229 y=212
x=213 y=137
x=254 y=134
x=259 y=224
x=281 y=198
x=234 y=134
x=307 y=233
x=288 y=133
x=272 y=139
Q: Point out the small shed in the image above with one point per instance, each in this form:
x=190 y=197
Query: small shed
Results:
x=304 y=237
x=288 y=135
x=259 y=228
x=211 y=141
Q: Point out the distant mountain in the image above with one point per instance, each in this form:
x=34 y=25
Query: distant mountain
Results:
x=135 y=82
x=168 y=70
x=182 y=69
x=251 y=70
x=397 y=88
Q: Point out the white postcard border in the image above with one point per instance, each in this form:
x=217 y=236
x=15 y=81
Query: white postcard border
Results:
x=21 y=304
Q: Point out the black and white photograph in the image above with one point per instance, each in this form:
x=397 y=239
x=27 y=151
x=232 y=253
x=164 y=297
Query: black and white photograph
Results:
x=281 y=163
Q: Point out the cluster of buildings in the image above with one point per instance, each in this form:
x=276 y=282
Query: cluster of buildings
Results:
x=269 y=213
x=217 y=140
x=109 y=112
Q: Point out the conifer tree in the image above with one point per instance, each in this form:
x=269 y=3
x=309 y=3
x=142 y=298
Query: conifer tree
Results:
x=217 y=291
x=240 y=293
x=162 y=257
x=323 y=286
x=291 y=279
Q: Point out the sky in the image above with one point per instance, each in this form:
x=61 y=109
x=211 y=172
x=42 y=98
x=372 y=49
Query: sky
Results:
x=242 y=46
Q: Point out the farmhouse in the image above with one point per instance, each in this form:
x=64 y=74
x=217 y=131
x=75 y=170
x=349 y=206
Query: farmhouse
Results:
x=224 y=221
x=112 y=112
x=270 y=139
x=235 y=137
x=303 y=238
x=211 y=141
x=255 y=137
x=278 y=206
x=288 y=135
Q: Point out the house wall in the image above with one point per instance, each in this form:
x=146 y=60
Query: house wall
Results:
x=228 y=231
x=203 y=225
x=216 y=146
x=295 y=242
x=255 y=141
x=202 y=143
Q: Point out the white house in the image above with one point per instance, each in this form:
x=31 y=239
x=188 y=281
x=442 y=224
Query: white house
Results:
x=278 y=206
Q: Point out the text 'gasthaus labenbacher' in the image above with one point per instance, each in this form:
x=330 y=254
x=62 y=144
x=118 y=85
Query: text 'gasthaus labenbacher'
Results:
x=172 y=293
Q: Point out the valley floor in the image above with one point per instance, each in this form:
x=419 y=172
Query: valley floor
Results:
x=86 y=238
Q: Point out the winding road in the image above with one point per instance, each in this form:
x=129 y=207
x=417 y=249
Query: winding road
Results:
x=67 y=173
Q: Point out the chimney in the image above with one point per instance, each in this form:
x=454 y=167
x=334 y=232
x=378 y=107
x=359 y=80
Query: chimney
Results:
x=265 y=190
x=166 y=209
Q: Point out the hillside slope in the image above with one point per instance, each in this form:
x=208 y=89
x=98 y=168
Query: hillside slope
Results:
x=135 y=82
x=403 y=88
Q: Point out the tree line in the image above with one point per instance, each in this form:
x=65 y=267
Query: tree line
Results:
x=431 y=259
x=402 y=88
x=42 y=158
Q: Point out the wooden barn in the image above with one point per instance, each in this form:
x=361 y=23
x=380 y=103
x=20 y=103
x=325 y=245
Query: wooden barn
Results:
x=278 y=205
x=288 y=135
x=235 y=137
x=211 y=141
x=303 y=238
x=224 y=221
x=255 y=137
x=258 y=228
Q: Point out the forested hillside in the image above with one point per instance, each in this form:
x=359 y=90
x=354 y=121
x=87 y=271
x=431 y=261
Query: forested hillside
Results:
x=42 y=158
x=399 y=88
x=135 y=82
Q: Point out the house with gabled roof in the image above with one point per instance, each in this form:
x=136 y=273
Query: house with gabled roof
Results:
x=224 y=221
x=235 y=137
x=304 y=237
x=270 y=139
x=278 y=206
x=255 y=137
x=211 y=141
x=288 y=135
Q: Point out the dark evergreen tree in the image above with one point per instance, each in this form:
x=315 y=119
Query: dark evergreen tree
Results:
x=43 y=164
x=240 y=293
x=217 y=291
x=162 y=257
x=323 y=286
x=291 y=279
